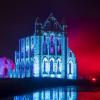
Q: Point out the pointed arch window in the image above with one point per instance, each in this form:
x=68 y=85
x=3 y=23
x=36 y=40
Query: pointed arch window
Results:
x=51 y=66
x=52 y=48
x=70 y=68
x=45 y=50
x=58 y=67
x=58 y=47
x=70 y=53
x=44 y=66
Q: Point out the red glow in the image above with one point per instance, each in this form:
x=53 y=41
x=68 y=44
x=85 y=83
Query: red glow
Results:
x=88 y=96
x=84 y=40
x=93 y=79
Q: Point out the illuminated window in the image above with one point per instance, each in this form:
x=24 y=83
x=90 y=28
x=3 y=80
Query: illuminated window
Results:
x=44 y=68
x=69 y=68
x=70 y=54
x=36 y=67
x=58 y=47
x=52 y=48
x=51 y=66
x=45 y=51
x=32 y=47
x=58 y=67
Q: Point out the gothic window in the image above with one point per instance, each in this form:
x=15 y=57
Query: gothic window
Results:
x=32 y=47
x=52 y=48
x=44 y=66
x=70 y=68
x=58 y=66
x=70 y=54
x=51 y=66
x=58 y=47
x=45 y=51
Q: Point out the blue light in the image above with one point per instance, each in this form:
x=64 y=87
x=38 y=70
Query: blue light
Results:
x=45 y=55
x=71 y=93
x=36 y=67
x=45 y=68
x=66 y=93
x=36 y=96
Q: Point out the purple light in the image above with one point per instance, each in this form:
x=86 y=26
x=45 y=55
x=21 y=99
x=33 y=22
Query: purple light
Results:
x=5 y=66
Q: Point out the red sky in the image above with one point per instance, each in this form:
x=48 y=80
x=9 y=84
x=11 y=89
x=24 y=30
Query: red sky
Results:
x=84 y=40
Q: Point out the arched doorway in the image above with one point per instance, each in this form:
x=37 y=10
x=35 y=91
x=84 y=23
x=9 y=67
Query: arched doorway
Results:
x=45 y=67
x=59 y=68
x=52 y=68
x=70 y=70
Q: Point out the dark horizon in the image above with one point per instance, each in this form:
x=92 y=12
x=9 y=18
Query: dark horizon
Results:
x=82 y=17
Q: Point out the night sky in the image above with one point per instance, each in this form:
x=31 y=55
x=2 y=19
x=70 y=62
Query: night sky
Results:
x=82 y=17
